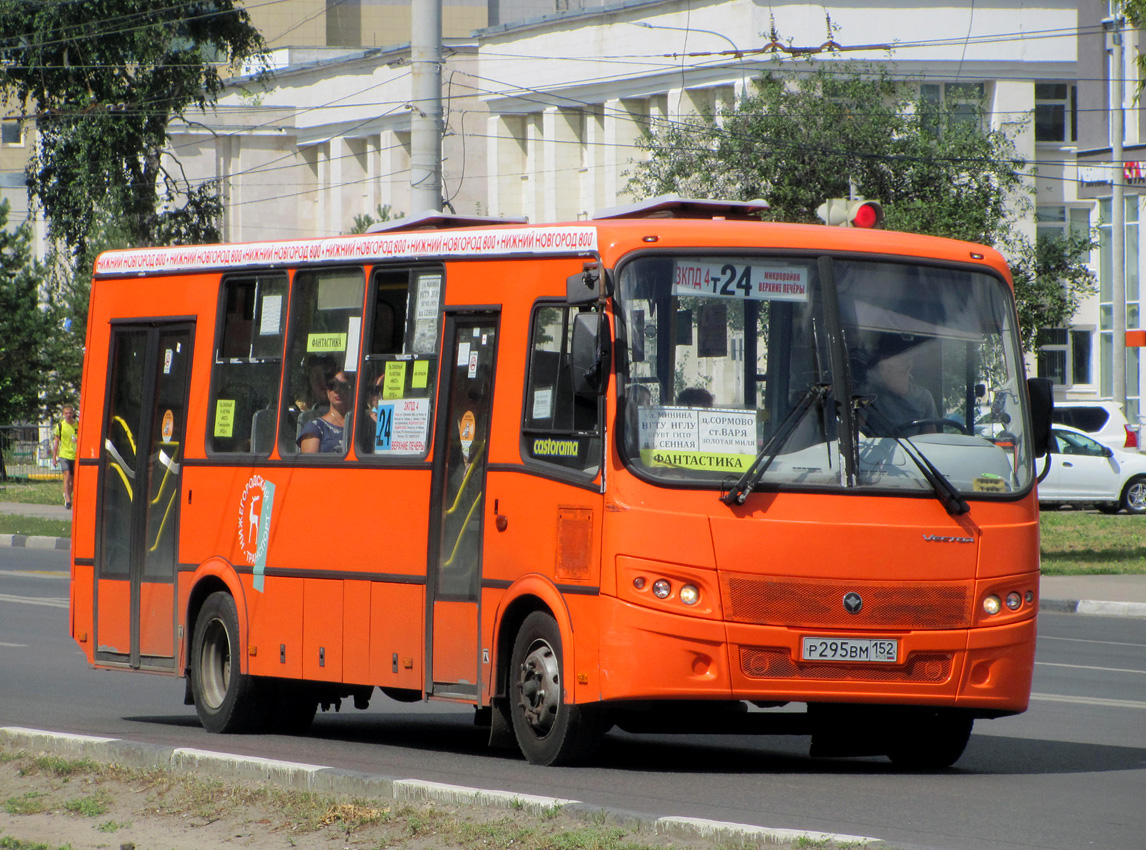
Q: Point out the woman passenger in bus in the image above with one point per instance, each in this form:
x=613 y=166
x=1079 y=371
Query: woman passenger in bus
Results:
x=324 y=434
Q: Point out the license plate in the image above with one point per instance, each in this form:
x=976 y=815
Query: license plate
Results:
x=851 y=649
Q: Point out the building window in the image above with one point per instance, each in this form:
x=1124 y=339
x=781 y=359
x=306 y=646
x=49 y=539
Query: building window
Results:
x=1106 y=299
x=1056 y=112
x=1052 y=354
x=1057 y=221
x=11 y=132
x=962 y=103
x=1064 y=356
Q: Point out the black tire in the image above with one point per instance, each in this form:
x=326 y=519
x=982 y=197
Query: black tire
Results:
x=929 y=739
x=1134 y=496
x=225 y=699
x=548 y=729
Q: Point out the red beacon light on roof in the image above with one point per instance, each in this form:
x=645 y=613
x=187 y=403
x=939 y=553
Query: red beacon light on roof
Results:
x=842 y=212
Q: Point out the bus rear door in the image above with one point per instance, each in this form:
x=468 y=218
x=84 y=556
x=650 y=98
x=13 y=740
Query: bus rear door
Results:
x=458 y=505
x=139 y=493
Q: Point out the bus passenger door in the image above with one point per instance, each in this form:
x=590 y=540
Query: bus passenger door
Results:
x=139 y=495
x=457 y=505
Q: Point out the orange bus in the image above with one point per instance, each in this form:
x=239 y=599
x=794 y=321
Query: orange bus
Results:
x=665 y=470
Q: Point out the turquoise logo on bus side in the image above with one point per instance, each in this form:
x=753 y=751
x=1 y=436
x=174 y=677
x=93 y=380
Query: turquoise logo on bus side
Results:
x=255 y=509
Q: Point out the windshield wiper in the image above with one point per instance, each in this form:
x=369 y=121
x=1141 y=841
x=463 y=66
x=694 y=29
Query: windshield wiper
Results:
x=945 y=491
x=740 y=490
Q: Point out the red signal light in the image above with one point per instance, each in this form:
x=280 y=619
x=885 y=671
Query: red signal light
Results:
x=842 y=212
x=866 y=215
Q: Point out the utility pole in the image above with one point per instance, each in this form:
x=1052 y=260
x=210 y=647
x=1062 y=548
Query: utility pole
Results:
x=426 y=106
x=1118 y=213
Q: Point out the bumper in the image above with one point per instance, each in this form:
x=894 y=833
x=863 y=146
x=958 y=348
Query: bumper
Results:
x=647 y=655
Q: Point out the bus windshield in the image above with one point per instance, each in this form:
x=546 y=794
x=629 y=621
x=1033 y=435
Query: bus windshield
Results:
x=826 y=372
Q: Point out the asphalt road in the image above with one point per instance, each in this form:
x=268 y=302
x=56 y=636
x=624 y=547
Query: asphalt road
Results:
x=1069 y=773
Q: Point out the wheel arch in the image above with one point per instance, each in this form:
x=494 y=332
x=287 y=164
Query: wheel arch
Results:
x=526 y=595
x=216 y=574
x=1124 y=497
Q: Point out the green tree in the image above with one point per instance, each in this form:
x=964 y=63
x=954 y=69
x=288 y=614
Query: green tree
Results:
x=103 y=79
x=802 y=136
x=23 y=325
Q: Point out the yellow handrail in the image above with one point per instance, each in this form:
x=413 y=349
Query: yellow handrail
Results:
x=461 y=532
x=466 y=479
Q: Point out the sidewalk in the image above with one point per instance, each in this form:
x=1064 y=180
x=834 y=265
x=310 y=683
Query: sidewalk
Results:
x=40 y=512
x=1110 y=596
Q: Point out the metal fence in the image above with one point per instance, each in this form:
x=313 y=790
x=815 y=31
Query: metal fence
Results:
x=27 y=452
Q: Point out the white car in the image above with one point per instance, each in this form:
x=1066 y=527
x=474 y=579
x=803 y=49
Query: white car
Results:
x=1103 y=420
x=1085 y=472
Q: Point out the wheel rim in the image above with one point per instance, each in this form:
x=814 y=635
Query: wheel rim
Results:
x=215 y=664
x=1136 y=496
x=539 y=687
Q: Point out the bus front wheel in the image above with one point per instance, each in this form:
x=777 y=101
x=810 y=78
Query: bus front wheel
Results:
x=549 y=730
x=226 y=700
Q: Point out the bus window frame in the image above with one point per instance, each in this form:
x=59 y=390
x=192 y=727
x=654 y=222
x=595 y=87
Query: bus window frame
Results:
x=213 y=387
x=547 y=469
x=362 y=396
x=291 y=336
x=622 y=348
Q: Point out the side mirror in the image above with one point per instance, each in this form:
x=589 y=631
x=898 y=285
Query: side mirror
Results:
x=585 y=287
x=591 y=354
x=1040 y=391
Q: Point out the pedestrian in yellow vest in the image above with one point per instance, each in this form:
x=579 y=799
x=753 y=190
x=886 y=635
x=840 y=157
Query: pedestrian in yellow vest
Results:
x=64 y=448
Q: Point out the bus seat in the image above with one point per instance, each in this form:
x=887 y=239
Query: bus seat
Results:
x=263 y=431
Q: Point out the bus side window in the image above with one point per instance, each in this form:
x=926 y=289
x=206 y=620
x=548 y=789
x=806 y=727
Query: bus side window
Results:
x=560 y=427
x=248 y=365
x=322 y=361
x=400 y=367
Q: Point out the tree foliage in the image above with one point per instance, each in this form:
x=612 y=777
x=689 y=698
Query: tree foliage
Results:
x=103 y=79
x=24 y=326
x=805 y=135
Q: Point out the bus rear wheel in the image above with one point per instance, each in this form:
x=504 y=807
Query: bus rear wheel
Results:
x=226 y=700
x=929 y=738
x=549 y=730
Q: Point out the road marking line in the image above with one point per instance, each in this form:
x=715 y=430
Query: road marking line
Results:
x=35 y=600
x=1089 y=640
x=1088 y=667
x=14 y=645
x=36 y=573
x=1106 y=703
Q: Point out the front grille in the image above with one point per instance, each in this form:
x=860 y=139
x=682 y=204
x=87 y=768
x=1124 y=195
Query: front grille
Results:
x=811 y=603
x=760 y=662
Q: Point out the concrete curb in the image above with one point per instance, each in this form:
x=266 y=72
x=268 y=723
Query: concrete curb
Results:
x=1094 y=607
x=22 y=541
x=309 y=777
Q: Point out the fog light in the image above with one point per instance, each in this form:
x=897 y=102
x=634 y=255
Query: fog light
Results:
x=689 y=595
x=661 y=588
x=639 y=582
x=1014 y=600
x=1030 y=597
x=992 y=605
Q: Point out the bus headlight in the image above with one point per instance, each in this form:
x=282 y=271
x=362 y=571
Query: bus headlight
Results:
x=689 y=595
x=661 y=588
x=992 y=604
x=1014 y=600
